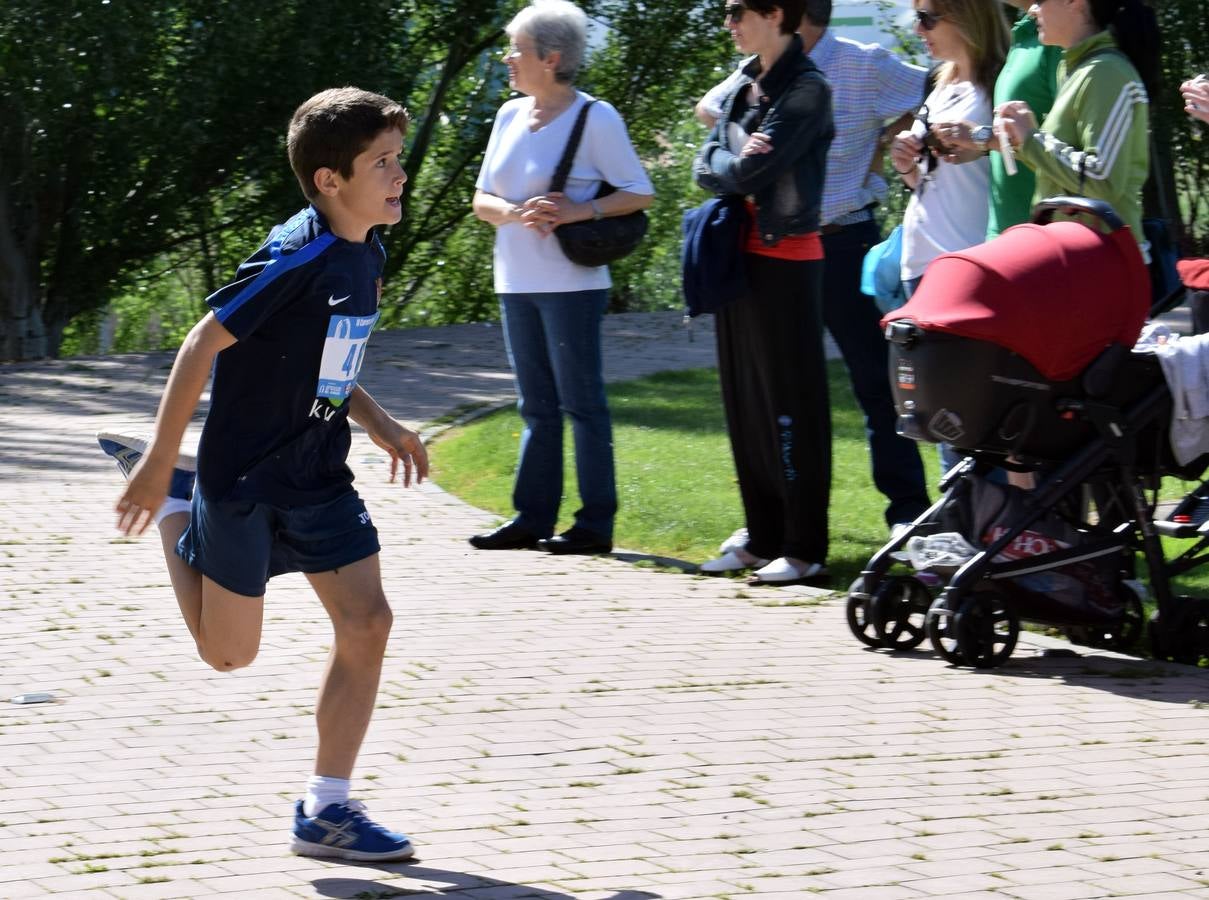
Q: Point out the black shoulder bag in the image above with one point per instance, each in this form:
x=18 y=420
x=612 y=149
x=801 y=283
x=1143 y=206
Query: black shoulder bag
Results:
x=594 y=242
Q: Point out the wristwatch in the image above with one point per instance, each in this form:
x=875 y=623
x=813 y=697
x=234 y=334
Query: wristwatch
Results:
x=597 y=212
x=981 y=136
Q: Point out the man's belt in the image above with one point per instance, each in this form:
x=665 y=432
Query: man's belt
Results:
x=856 y=217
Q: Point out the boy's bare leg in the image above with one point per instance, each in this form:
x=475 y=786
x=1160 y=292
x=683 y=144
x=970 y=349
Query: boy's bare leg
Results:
x=361 y=619
x=186 y=580
x=225 y=626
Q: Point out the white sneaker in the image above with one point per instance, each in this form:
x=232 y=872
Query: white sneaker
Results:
x=127 y=449
x=729 y=562
x=737 y=541
x=782 y=571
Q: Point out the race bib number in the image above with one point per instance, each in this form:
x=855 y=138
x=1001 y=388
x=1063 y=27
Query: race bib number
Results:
x=343 y=353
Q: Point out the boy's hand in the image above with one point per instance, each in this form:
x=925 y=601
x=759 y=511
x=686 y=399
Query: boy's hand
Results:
x=145 y=493
x=403 y=445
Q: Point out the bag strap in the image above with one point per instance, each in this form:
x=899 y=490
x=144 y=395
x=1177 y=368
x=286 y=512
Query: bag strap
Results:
x=559 y=181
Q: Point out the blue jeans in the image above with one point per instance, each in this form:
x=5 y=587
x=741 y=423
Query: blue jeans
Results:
x=553 y=342
x=852 y=319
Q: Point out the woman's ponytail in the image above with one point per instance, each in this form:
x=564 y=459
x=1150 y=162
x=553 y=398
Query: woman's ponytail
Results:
x=1135 y=28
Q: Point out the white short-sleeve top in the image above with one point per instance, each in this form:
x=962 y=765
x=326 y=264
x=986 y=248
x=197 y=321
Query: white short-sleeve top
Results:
x=519 y=164
x=948 y=210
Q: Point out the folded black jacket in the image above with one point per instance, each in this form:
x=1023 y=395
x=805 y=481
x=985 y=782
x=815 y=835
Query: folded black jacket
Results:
x=712 y=273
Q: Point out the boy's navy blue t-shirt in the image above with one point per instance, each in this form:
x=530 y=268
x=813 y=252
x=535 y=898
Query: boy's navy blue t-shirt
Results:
x=302 y=308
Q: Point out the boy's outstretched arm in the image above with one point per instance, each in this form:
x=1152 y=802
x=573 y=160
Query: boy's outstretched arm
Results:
x=149 y=481
x=403 y=444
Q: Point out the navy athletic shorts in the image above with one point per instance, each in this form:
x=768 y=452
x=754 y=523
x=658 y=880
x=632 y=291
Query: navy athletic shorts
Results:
x=240 y=545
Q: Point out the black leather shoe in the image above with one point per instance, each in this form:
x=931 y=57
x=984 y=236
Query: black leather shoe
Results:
x=576 y=540
x=508 y=536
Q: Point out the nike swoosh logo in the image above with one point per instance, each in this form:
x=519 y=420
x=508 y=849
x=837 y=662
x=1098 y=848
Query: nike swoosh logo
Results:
x=332 y=301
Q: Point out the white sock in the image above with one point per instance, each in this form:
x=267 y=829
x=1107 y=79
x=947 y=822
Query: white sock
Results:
x=171 y=506
x=321 y=792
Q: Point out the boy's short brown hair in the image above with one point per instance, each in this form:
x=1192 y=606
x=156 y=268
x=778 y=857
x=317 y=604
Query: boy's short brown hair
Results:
x=333 y=127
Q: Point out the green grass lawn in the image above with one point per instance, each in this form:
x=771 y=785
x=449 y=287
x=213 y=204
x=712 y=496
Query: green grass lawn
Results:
x=676 y=480
x=675 y=477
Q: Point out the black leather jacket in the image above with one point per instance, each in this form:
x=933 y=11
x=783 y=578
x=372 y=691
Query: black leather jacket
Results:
x=787 y=182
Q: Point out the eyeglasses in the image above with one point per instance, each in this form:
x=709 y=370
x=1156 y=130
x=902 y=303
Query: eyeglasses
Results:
x=927 y=20
x=734 y=12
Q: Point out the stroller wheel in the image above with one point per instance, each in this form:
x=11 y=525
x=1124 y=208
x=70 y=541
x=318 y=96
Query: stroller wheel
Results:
x=1081 y=635
x=942 y=633
x=1189 y=635
x=858 y=615
x=898 y=610
x=1120 y=635
x=1133 y=619
x=987 y=629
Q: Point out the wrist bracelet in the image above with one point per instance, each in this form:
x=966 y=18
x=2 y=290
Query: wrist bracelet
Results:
x=597 y=214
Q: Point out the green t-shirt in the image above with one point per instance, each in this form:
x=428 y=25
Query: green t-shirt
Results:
x=1030 y=73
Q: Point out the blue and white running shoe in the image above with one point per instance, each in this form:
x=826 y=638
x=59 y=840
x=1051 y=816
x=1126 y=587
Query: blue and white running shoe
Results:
x=344 y=831
x=127 y=449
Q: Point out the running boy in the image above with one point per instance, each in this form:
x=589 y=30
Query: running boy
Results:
x=274 y=494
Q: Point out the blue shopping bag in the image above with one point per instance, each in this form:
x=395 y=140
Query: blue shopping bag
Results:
x=881 y=275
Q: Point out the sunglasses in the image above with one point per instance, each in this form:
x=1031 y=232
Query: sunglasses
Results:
x=734 y=12
x=927 y=20
x=932 y=145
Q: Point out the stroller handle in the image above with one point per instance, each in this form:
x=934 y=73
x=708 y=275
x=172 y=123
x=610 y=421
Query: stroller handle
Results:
x=1044 y=211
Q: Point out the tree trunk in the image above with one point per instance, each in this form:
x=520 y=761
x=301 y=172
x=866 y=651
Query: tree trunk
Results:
x=22 y=330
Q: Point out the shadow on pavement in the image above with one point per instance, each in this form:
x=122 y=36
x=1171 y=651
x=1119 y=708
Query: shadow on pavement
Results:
x=1146 y=679
x=646 y=559
x=445 y=884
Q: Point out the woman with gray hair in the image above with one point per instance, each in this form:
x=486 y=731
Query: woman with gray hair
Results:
x=551 y=307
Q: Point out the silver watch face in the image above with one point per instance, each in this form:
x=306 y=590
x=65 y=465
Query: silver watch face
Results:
x=982 y=134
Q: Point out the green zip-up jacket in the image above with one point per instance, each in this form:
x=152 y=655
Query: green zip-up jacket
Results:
x=1095 y=140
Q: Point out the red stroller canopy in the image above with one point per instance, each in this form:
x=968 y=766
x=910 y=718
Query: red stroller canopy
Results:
x=1056 y=294
x=1194 y=273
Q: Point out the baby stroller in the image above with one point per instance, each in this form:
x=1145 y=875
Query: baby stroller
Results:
x=1018 y=353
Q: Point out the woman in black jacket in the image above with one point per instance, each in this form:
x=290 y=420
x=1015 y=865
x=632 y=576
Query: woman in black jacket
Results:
x=770 y=145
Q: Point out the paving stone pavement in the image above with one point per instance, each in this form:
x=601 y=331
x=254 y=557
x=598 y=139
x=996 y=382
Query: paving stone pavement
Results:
x=548 y=727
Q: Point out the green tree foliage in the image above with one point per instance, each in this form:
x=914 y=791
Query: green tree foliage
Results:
x=131 y=133
x=655 y=61
x=1183 y=144
x=142 y=153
